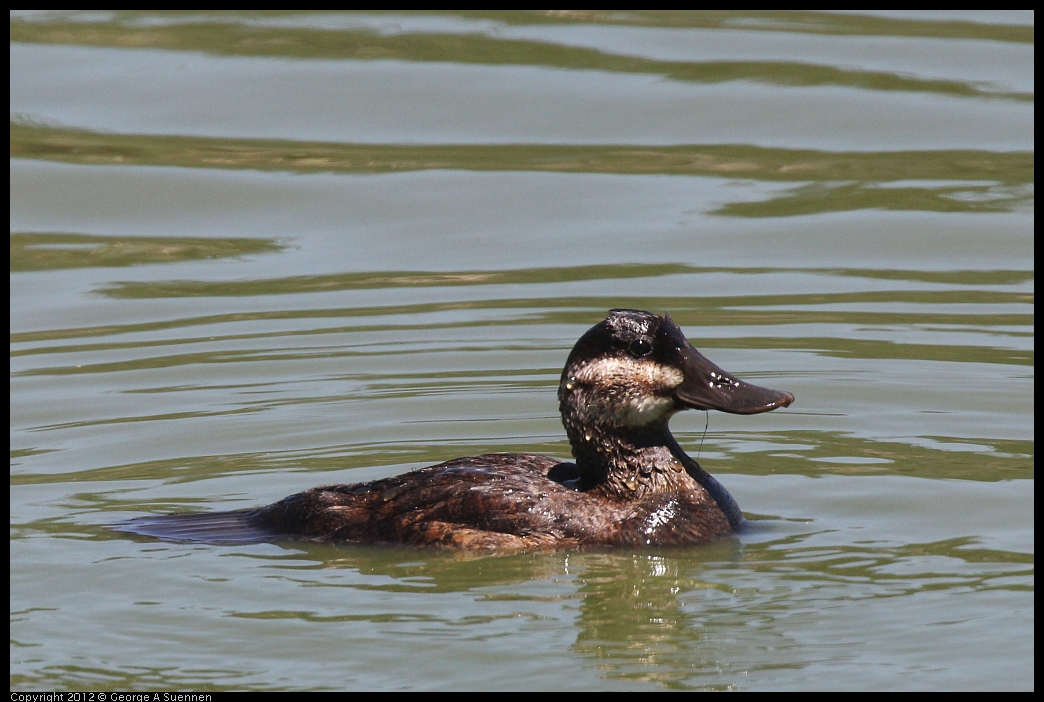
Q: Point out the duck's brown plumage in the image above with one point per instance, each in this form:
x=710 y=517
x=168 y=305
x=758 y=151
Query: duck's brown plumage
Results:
x=631 y=483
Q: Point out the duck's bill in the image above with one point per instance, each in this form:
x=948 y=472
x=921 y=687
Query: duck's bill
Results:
x=708 y=387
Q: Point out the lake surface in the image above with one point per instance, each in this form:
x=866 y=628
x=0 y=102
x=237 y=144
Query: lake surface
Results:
x=255 y=253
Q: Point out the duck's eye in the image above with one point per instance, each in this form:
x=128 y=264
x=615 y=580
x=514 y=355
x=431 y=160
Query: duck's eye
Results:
x=640 y=348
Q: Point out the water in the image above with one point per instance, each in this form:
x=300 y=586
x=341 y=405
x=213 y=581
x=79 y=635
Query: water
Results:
x=254 y=253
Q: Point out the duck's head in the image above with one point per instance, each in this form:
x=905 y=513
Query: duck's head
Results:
x=634 y=370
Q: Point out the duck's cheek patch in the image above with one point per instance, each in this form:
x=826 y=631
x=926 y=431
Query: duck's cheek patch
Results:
x=640 y=411
x=658 y=377
x=619 y=372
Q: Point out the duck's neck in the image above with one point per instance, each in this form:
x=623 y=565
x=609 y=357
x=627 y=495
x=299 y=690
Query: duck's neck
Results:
x=628 y=465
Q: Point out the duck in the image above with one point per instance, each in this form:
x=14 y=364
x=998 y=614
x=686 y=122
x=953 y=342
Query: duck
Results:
x=630 y=483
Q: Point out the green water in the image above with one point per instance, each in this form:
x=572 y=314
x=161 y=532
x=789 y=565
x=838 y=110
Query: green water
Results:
x=256 y=252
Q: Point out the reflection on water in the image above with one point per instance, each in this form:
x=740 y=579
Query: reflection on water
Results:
x=37 y=251
x=256 y=252
x=486 y=45
x=951 y=181
x=682 y=619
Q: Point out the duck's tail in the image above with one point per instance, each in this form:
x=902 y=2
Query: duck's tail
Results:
x=236 y=527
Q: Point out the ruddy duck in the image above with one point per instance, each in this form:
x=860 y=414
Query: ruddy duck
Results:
x=631 y=482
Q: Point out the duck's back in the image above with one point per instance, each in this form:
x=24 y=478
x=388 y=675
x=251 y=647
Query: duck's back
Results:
x=494 y=501
x=490 y=501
